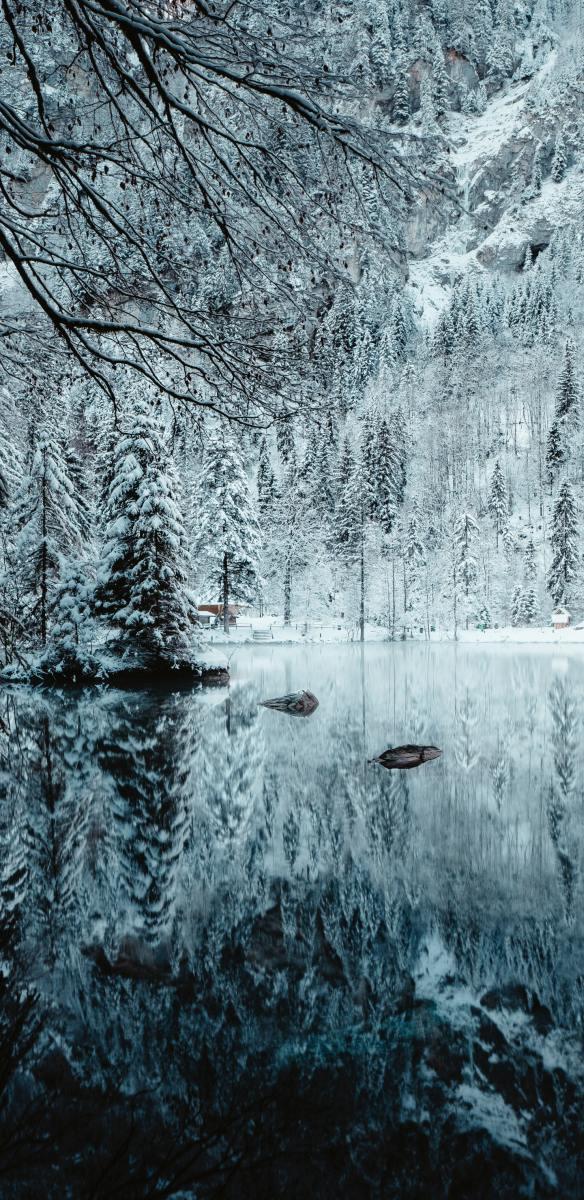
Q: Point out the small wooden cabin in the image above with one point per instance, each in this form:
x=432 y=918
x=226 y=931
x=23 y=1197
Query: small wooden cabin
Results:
x=560 y=618
x=216 y=610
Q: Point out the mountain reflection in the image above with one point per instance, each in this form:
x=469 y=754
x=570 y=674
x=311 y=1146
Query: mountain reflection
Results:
x=237 y=961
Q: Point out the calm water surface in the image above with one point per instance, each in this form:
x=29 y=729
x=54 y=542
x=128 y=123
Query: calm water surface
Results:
x=238 y=961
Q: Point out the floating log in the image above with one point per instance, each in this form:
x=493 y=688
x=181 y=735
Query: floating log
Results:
x=298 y=704
x=403 y=758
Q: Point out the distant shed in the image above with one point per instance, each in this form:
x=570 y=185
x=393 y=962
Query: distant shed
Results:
x=560 y=618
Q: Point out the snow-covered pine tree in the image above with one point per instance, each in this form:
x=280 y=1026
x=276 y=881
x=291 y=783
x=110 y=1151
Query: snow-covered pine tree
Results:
x=441 y=85
x=69 y=653
x=285 y=440
x=142 y=585
x=47 y=518
x=415 y=556
x=530 y=605
x=567 y=392
x=380 y=46
x=517 y=603
x=348 y=507
x=297 y=534
x=10 y=469
x=399 y=432
x=228 y=539
x=555 y=453
x=429 y=125
x=388 y=480
x=266 y=483
x=498 y=504
x=401 y=95
x=536 y=171
x=564 y=538
x=559 y=161
x=464 y=561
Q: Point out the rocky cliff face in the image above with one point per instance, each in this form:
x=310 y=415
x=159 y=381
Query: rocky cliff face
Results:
x=503 y=193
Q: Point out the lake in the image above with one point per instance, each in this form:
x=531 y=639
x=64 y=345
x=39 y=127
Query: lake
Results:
x=237 y=960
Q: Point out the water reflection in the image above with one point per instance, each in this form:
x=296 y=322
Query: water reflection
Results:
x=238 y=961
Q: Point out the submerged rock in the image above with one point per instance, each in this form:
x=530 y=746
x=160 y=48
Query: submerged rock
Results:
x=403 y=758
x=298 y=704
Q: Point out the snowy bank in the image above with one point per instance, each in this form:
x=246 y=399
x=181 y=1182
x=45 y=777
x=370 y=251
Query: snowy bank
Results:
x=527 y=635
x=57 y=668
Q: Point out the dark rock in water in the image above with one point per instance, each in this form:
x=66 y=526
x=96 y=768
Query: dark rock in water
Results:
x=403 y=758
x=298 y=704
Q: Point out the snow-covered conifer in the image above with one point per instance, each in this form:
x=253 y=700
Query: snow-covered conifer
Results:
x=566 y=558
x=559 y=161
x=465 y=565
x=441 y=85
x=498 y=504
x=142 y=585
x=428 y=121
x=228 y=535
x=567 y=393
x=46 y=515
x=266 y=483
x=555 y=453
x=388 y=479
x=401 y=94
x=285 y=439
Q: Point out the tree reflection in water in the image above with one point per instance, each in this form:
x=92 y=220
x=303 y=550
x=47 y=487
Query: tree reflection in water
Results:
x=237 y=961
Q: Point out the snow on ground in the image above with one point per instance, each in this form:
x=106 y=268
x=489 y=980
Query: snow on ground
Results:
x=478 y=138
x=272 y=631
x=528 y=635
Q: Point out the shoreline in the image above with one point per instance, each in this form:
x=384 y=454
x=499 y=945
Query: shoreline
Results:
x=317 y=634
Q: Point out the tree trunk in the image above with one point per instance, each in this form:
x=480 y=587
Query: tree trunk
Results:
x=287 y=590
x=362 y=589
x=225 y=594
x=44 y=564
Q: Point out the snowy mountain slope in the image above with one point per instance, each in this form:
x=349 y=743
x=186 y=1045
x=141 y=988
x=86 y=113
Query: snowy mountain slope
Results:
x=498 y=219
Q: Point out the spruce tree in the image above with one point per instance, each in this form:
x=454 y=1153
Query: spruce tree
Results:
x=399 y=431
x=297 y=533
x=465 y=567
x=228 y=540
x=530 y=608
x=266 y=483
x=388 y=480
x=441 y=90
x=564 y=540
x=555 y=454
x=285 y=439
x=498 y=506
x=47 y=518
x=401 y=95
x=567 y=393
x=348 y=506
x=142 y=585
x=536 y=171
x=559 y=161
x=428 y=121
x=415 y=555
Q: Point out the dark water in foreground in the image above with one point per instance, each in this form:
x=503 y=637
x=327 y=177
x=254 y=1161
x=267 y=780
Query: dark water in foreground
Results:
x=238 y=962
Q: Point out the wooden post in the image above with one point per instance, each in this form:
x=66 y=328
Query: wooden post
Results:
x=225 y=594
